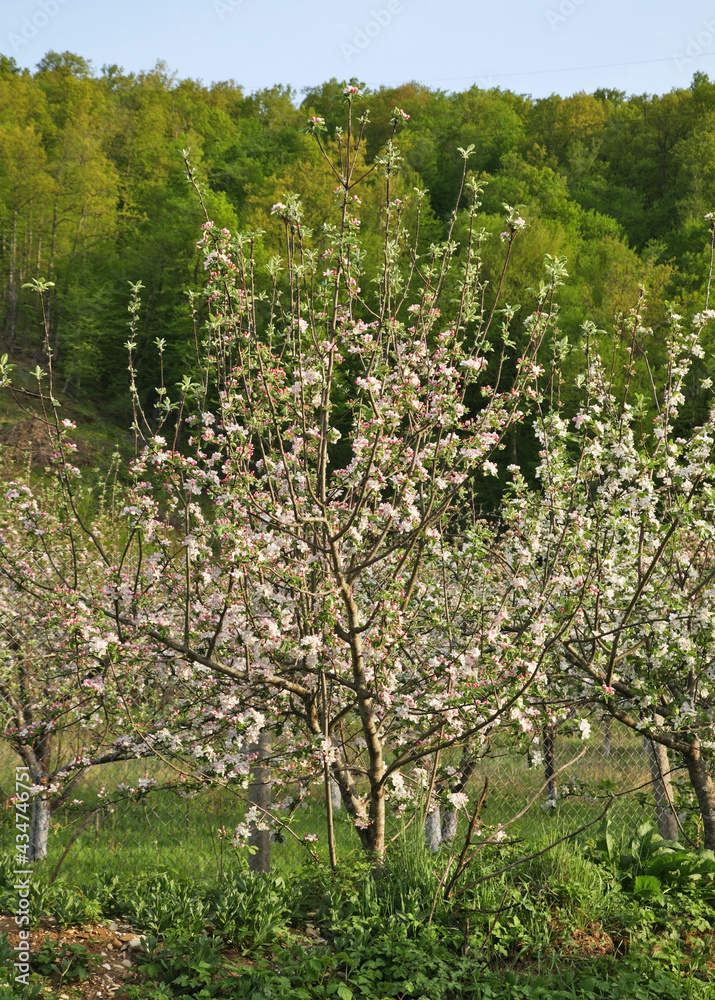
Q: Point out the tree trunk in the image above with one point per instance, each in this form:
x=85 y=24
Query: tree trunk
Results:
x=376 y=830
x=36 y=757
x=39 y=827
x=433 y=827
x=450 y=820
x=704 y=789
x=446 y=821
x=662 y=786
x=342 y=780
x=335 y=795
x=372 y=838
x=607 y=722
x=259 y=795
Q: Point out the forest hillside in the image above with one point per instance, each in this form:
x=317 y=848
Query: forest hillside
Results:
x=93 y=195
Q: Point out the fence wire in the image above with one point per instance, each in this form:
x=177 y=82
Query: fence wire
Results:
x=105 y=826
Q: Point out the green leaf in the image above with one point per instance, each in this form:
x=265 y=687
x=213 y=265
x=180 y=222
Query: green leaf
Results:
x=605 y=841
x=646 y=886
x=344 y=992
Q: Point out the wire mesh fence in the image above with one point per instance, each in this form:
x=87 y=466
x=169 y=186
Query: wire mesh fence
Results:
x=134 y=815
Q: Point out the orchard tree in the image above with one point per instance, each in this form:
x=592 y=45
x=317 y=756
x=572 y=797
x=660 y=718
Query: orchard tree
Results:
x=61 y=709
x=327 y=489
x=299 y=543
x=622 y=528
x=77 y=690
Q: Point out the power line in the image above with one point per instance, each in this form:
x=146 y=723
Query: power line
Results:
x=565 y=69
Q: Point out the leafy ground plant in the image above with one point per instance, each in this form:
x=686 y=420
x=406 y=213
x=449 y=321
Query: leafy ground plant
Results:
x=163 y=903
x=62 y=961
x=560 y=926
x=250 y=912
x=185 y=965
x=648 y=866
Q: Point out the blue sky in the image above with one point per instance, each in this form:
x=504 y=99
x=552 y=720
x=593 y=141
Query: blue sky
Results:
x=530 y=46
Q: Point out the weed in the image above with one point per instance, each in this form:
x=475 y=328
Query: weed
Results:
x=186 y=965
x=69 y=962
x=10 y=989
x=161 y=903
x=69 y=906
x=250 y=911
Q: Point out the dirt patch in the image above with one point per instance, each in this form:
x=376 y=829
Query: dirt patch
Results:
x=32 y=443
x=589 y=942
x=114 y=946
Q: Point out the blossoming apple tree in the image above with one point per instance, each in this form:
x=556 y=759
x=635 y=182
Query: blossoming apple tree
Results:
x=298 y=549
x=77 y=691
x=623 y=526
x=324 y=495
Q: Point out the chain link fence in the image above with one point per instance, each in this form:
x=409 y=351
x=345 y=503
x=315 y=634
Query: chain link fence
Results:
x=134 y=815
